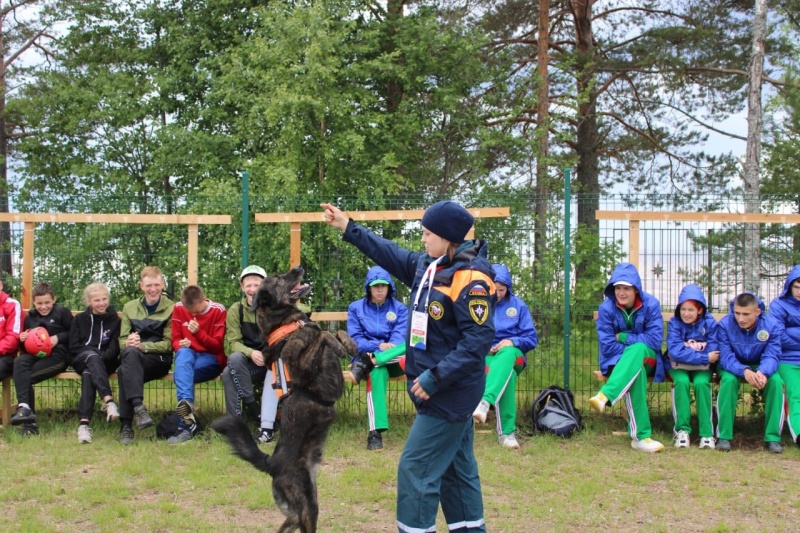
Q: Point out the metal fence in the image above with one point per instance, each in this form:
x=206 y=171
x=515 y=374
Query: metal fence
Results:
x=670 y=255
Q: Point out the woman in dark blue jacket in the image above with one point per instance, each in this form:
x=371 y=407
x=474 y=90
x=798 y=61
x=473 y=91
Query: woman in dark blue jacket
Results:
x=451 y=328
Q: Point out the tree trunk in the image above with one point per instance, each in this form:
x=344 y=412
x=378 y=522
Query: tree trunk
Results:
x=5 y=228
x=542 y=123
x=752 y=236
x=588 y=190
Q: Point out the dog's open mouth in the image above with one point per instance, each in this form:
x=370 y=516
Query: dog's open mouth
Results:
x=299 y=291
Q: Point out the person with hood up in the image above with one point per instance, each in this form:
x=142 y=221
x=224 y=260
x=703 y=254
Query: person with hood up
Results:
x=786 y=310
x=451 y=327
x=630 y=330
x=377 y=323
x=514 y=336
x=749 y=349
x=691 y=350
x=94 y=347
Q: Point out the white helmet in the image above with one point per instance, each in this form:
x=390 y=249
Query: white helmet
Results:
x=253 y=270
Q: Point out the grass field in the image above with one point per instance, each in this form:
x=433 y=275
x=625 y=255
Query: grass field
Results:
x=592 y=482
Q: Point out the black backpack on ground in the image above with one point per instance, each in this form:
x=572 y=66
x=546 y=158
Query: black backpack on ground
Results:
x=554 y=411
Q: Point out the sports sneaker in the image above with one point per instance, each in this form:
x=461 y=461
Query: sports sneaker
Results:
x=374 y=441
x=24 y=415
x=707 y=442
x=774 y=447
x=185 y=410
x=126 y=435
x=265 y=436
x=361 y=367
x=479 y=415
x=141 y=417
x=84 y=434
x=598 y=402
x=647 y=445
x=723 y=445
x=111 y=410
x=183 y=435
x=509 y=441
x=29 y=430
x=682 y=439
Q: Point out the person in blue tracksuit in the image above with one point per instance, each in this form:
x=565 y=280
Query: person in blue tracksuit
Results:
x=451 y=328
x=630 y=330
x=749 y=349
x=692 y=341
x=786 y=310
x=377 y=323
x=514 y=336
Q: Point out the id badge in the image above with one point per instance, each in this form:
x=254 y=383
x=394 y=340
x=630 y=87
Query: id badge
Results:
x=419 y=329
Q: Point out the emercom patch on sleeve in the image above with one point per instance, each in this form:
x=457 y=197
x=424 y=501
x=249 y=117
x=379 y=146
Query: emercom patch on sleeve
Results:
x=479 y=310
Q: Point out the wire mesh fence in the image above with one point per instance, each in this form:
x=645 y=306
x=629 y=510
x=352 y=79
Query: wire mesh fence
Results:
x=668 y=253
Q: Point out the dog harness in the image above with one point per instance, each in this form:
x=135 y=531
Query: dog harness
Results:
x=281 y=380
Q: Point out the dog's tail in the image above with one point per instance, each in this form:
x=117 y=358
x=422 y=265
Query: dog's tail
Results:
x=244 y=445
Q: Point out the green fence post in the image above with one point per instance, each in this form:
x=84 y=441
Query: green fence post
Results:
x=245 y=217
x=567 y=276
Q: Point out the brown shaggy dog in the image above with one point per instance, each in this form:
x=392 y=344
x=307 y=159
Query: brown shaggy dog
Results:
x=311 y=356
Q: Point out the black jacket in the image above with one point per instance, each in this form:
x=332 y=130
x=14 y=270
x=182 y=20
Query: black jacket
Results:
x=57 y=322
x=98 y=333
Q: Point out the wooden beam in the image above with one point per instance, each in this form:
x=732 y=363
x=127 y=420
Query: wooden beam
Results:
x=634 y=242
x=360 y=216
x=25 y=298
x=672 y=216
x=108 y=218
x=294 y=244
x=191 y=251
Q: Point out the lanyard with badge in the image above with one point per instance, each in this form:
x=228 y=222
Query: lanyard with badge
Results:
x=419 y=319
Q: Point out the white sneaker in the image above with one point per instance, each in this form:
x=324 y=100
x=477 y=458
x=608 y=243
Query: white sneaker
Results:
x=598 y=402
x=480 y=412
x=707 y=442
x=111 y=410
x=84 y=434
x=647 y=445
x=509 y=441
x=682 y=439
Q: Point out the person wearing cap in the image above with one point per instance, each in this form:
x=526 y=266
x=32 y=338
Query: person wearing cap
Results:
x=377 y=323
x=246 y=365
x=450 y=331
x=630 y=330
x=749 y=349
x=146 y=352
x=786 y=310
x=692 y=348
x=514 y=336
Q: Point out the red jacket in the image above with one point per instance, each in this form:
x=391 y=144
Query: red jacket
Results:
x=211 y=335
x=10 y=325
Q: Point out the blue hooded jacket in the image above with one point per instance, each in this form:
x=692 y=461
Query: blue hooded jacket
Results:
x=648 y=324
x=369 y=324
x=760 y=345
x=786 y=310
x=512 y=318
x=678 y=332
x=451 y=369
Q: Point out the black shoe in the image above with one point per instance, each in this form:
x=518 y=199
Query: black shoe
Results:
x=723 y=445
x=265 y=436
x=24 y=415
x=774 y=447
x=361 y=367
x=142 y=418
x=253 y=412
x=374 y=441
x=185 y=410
x=126 y=435
x=29 y=430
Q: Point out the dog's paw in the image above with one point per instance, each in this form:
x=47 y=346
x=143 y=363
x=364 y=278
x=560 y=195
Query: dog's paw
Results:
x=348 y=343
